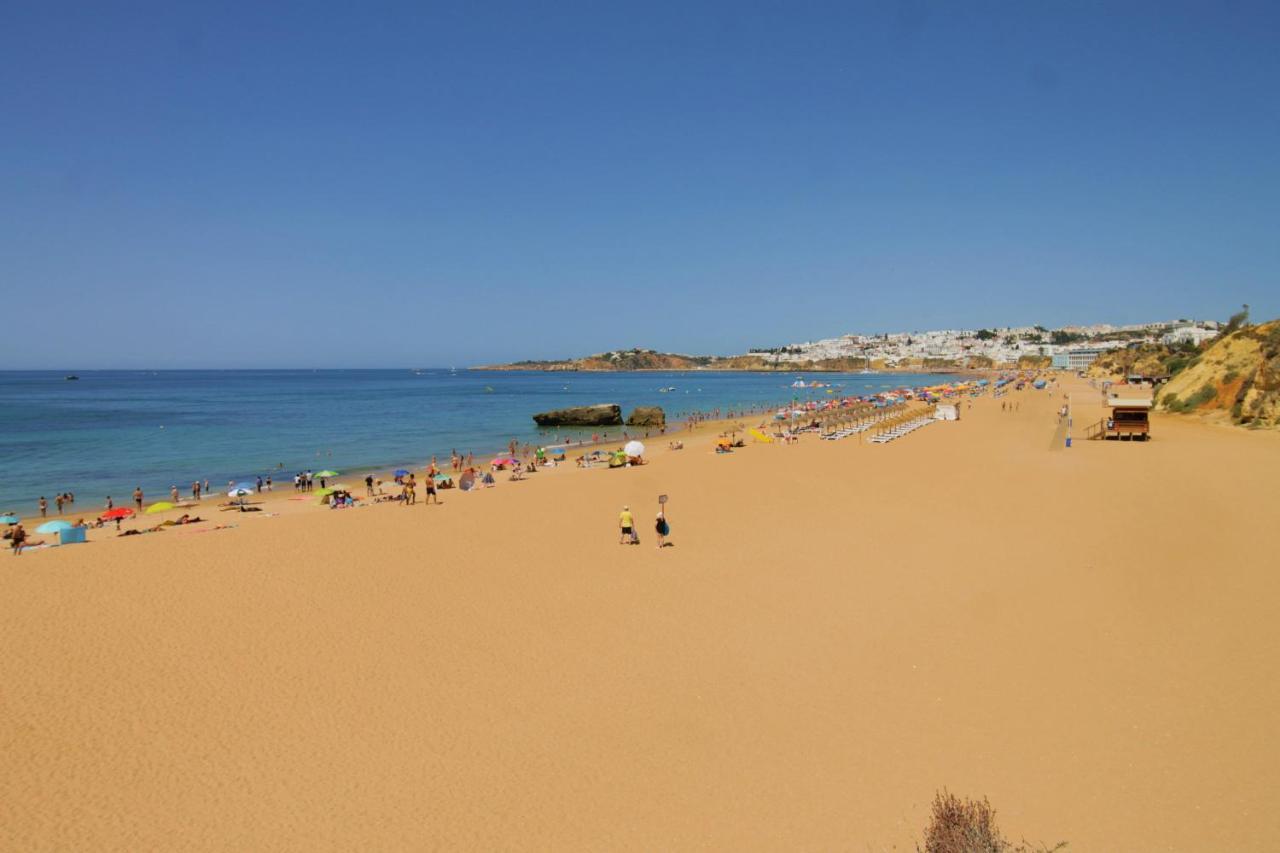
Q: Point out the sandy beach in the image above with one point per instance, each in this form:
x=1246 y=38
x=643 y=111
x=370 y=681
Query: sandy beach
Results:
x=1085 y=636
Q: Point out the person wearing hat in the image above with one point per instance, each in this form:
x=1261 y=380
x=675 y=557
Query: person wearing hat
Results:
x=662 y=529
x=628 y=525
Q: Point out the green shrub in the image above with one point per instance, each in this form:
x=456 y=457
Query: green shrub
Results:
x=1206 y=393
x=1230 y=376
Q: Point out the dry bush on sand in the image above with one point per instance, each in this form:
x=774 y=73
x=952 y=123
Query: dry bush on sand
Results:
x=969 y=826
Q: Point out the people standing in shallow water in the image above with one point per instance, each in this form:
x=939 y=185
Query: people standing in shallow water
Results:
x=44 y=506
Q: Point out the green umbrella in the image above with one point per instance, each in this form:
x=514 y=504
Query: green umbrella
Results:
x=323 y=492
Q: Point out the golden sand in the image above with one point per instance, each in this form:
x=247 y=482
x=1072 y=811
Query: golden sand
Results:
x=1086 y=636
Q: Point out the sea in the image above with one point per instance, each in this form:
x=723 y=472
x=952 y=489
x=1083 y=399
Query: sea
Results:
x=113 y=430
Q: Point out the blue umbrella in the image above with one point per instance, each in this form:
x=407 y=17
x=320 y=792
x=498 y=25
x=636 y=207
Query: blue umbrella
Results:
x=53 y=526
x=8 y=519
x=400 y=472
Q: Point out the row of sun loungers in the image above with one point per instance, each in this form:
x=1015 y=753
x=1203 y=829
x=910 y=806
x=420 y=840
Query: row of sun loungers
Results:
x=852 y=430
x=901 y=430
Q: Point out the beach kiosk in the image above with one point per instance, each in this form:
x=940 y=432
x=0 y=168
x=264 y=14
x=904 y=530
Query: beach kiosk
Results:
x=947 y=412
x=1128 y=408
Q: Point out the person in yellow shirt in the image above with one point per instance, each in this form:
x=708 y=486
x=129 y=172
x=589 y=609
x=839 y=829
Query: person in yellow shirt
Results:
x=628 y=525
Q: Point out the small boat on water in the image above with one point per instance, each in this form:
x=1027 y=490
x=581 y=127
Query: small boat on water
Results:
x=71 y=377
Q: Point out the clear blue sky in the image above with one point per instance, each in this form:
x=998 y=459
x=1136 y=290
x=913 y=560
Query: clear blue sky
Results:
x=327 y=184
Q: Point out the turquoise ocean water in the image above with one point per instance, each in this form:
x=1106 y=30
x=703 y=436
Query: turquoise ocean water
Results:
x=113 y=430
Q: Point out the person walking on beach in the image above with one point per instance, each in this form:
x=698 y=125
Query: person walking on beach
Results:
x=431 y=490
x=18 y=538
x=662 y=529
x=44 y=506
x=137 y=498
x=627 y=525
x=57 y=500
x=195 y=490
x=206 y=485
x=173 y=493
x=110 y=506
x=268 y=482
x=258 y=488
x=368 y=485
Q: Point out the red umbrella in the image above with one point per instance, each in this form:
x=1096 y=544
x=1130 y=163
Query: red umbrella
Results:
x=118 y=512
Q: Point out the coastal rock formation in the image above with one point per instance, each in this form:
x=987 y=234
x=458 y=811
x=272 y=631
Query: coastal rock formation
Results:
x=1238 y=374
x=602 y=414
x=647 y=416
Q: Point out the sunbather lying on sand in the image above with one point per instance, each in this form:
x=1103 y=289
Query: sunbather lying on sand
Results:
x=183 y=519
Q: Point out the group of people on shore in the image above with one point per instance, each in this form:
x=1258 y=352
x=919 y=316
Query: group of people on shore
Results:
x=61 y=501
x=630 y=533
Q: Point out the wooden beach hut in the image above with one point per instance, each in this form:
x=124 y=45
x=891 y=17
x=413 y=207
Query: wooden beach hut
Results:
x=1128 y=414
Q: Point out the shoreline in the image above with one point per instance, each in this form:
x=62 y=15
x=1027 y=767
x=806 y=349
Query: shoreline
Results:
x=91 y=509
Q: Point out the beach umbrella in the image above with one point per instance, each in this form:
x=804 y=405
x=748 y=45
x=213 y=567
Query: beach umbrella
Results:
x=442 y=477
x=53 y=526
x=240 y=491
x=634 y=448
x=323 y=492
x=118 y=512
x=159 y=506
x=504 y=460
x=400 y=472
x=327 y=473
x=8 y=519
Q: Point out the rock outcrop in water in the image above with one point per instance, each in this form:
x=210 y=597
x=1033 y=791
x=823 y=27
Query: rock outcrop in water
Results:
x=647 y=416
x=602 y=414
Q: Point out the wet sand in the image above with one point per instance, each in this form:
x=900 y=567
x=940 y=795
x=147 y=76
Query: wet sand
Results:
x=1085 y=636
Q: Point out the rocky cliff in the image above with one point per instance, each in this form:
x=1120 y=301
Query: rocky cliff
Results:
x=1238 y=375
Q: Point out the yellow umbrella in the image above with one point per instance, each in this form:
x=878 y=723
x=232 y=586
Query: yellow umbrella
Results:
x=159 y=506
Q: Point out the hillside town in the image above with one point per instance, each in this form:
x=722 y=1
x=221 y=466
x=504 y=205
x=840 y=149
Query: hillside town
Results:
x=1071 y=347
